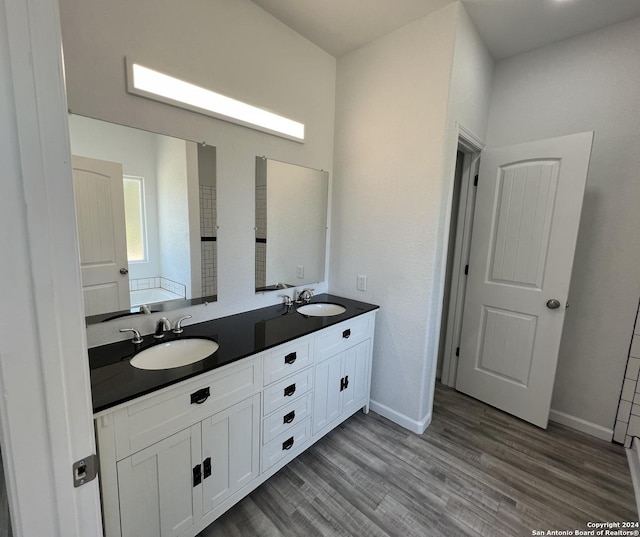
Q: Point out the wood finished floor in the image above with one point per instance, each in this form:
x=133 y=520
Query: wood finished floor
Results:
x=475 y=471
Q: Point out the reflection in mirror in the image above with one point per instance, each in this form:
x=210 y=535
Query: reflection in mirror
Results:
x=291 y=224
x=146 y=213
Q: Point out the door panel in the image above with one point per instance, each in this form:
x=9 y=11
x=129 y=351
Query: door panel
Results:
x=526 y=194
x=355 y=370
x=99 y=199
x=525 y=228
x=507 y=344
x=326 y=392
x=155 y=488
x=230 y=439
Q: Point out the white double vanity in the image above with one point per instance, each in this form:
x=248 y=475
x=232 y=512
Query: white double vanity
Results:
x=179 y=447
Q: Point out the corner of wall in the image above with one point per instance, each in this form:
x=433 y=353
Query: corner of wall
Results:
x=415 y=426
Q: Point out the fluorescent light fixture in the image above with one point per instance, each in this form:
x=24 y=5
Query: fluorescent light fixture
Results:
x=164 y=88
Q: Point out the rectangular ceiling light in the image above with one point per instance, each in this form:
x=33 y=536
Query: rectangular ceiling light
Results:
x=164 y=88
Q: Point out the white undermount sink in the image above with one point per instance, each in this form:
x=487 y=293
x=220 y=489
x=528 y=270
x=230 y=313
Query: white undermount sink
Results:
x=174 y=353
x=321 y=309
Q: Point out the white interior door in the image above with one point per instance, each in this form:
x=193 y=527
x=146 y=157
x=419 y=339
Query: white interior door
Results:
x=525 y=227
x=99 y=196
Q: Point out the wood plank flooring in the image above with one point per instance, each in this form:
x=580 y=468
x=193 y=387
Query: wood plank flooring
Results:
x=475 y=472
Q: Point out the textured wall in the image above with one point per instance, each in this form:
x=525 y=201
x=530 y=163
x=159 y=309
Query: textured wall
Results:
x=392 y=182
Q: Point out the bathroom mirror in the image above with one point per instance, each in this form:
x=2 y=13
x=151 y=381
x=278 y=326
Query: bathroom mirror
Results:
x=291 y=224
x=146 y=213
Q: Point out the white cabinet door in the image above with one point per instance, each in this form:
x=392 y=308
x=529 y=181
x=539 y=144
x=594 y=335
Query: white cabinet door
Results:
x=341 y=384
x=326 y=406
x=156 y=487
x=355 y=374
x=525 y=227
x=230 y=451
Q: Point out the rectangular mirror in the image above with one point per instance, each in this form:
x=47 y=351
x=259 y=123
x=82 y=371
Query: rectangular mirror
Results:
x=291 y=224
x=146 y=213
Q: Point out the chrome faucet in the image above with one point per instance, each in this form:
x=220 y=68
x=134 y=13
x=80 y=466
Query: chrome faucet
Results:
x=304 y=296
x=177 y=329
x=137 y=338
x=163 y=326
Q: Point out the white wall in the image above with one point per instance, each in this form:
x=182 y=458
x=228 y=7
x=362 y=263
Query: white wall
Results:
x=587 y=83
x=294 y=201
x=394 y=162
x=231 y=46
x=173 y=212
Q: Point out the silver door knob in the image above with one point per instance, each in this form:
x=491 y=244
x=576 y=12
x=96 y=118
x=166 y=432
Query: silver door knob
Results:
x=124 y=271
x=553 y=304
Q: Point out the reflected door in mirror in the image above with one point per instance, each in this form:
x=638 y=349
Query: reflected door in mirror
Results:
x=99 y=197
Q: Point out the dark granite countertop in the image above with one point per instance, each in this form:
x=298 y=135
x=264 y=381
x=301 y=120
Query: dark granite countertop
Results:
x=114 y=380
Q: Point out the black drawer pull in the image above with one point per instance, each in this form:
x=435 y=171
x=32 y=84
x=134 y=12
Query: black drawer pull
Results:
x=346 y=333
x=287 y=444
x=206 y=467
x=290 y=390
x=288 y=418
x=200 y=396
x=290 y=358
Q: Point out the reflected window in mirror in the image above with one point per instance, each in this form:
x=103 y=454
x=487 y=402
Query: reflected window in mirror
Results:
x=146 y=214
x=291 y=224
x=134 y=219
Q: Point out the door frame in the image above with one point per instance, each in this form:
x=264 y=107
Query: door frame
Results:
x=471 y=146
x=46 y=420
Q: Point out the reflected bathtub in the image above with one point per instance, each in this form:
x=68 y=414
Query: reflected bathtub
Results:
x=152 y=296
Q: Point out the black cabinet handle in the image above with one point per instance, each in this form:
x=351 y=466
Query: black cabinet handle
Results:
x=287 y=444
x=346 y=333
x=197 y=475
x=206 y=467
x=290 y=390
x=288 y=418
x=290 y=358
x=344 y=383
x=200 y=396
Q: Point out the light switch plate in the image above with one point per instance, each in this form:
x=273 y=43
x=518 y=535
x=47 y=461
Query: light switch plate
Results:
x=362 y=282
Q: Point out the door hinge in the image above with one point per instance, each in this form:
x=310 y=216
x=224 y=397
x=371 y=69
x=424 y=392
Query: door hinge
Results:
x=85 y=470
x=466 y=270
x=475 y=181
x=457 y=351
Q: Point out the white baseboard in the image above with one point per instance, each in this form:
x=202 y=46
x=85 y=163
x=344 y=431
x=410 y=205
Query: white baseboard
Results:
x=581 y=425
x=414 y=426
x=633 y=456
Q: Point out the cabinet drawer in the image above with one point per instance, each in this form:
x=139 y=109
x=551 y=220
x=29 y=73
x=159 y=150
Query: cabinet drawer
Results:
x=334 y=340
x=287 y=359
x=288 y=389
x=140 y=424
x=286 y=418
x=286 y=444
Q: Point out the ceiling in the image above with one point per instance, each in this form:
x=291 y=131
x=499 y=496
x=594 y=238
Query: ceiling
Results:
x=508 y=27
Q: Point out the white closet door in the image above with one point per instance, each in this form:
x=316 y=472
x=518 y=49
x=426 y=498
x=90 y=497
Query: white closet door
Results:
x=525 y=227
